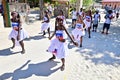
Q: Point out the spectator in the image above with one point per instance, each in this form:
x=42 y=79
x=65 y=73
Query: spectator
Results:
x=108 y=18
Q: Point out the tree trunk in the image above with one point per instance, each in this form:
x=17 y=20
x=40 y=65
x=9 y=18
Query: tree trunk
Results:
x=79 y=4
x=41 y=5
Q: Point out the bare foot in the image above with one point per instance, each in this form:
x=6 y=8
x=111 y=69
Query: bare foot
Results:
x=80 y=45
x=62 y=68
x=52 y=58
x=12 y=47
x=23 y=51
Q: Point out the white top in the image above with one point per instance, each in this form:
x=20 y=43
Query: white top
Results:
x=108 y=20
x=50 y=8
x=74 y=14
x=88 y=18
x=60 y=34
x=45 y=18
x=15 y=24
x=79 y=26
x=96 y=17
x=81 y=13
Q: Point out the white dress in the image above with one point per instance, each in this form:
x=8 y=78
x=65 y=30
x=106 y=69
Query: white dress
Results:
x=59 y=49
x=87 y=21
x=14 y=33
x=45 y=25
x=78 y=31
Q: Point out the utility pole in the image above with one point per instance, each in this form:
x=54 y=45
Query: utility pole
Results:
x=6 y=15
x=41 y=5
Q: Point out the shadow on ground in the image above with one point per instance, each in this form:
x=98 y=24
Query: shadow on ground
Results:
x=101 y=48
x=7 y=52
x=39 y=69
x=37 y=37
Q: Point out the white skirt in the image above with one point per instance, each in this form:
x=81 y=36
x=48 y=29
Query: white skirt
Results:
x=77 y=33
x=62 y=50
x=87 y=24
x=45 y=26
x=14 y=34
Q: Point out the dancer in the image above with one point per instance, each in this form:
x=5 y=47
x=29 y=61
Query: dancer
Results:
x=87 y=21
x=50 y=10
x=58 y=45
x=74 y=17
x=108 y=18
x=79 y=32
x=81 y=13
x=46 y=23
x=95 y=21
x=18 y=34
x=61 y=15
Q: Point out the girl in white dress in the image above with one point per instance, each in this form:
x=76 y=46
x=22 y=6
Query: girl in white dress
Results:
x=88 y=21
x=58 y=46
x=18 y=34
x=61 y=15
x=46 y=24
x=79 y=31
x=74 y=17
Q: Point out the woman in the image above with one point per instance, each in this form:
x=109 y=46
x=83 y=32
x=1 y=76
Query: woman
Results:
x=61 y=15
x=79 y=32
x=108 y=18
x=46 y=24
x=88 y=21
x=96 y=20
x=18 y=34
x=58 y=45
x=74 y=17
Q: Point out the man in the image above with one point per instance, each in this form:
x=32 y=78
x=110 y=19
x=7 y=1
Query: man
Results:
x=108 y=18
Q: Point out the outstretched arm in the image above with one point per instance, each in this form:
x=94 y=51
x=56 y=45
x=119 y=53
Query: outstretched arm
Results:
x=52 y=35
x=70 y=36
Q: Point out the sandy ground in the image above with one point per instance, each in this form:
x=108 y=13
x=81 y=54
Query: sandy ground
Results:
x=98 y=59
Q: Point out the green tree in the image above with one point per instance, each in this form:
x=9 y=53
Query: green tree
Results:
x=87 y=2
x=73 y=1
x=48 y=1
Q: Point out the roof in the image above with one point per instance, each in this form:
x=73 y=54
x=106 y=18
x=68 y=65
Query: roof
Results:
x=110 y=0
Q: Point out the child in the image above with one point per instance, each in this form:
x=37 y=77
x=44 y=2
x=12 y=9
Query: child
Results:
x=58 y=45
x=74 y=17
x=81 y=13
x=79 y=32
x=18 y=34
x=117 y=15
x=95 y=21
x=46 y=24
x=87 y=21
x=61 y=15
x=108 y=18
